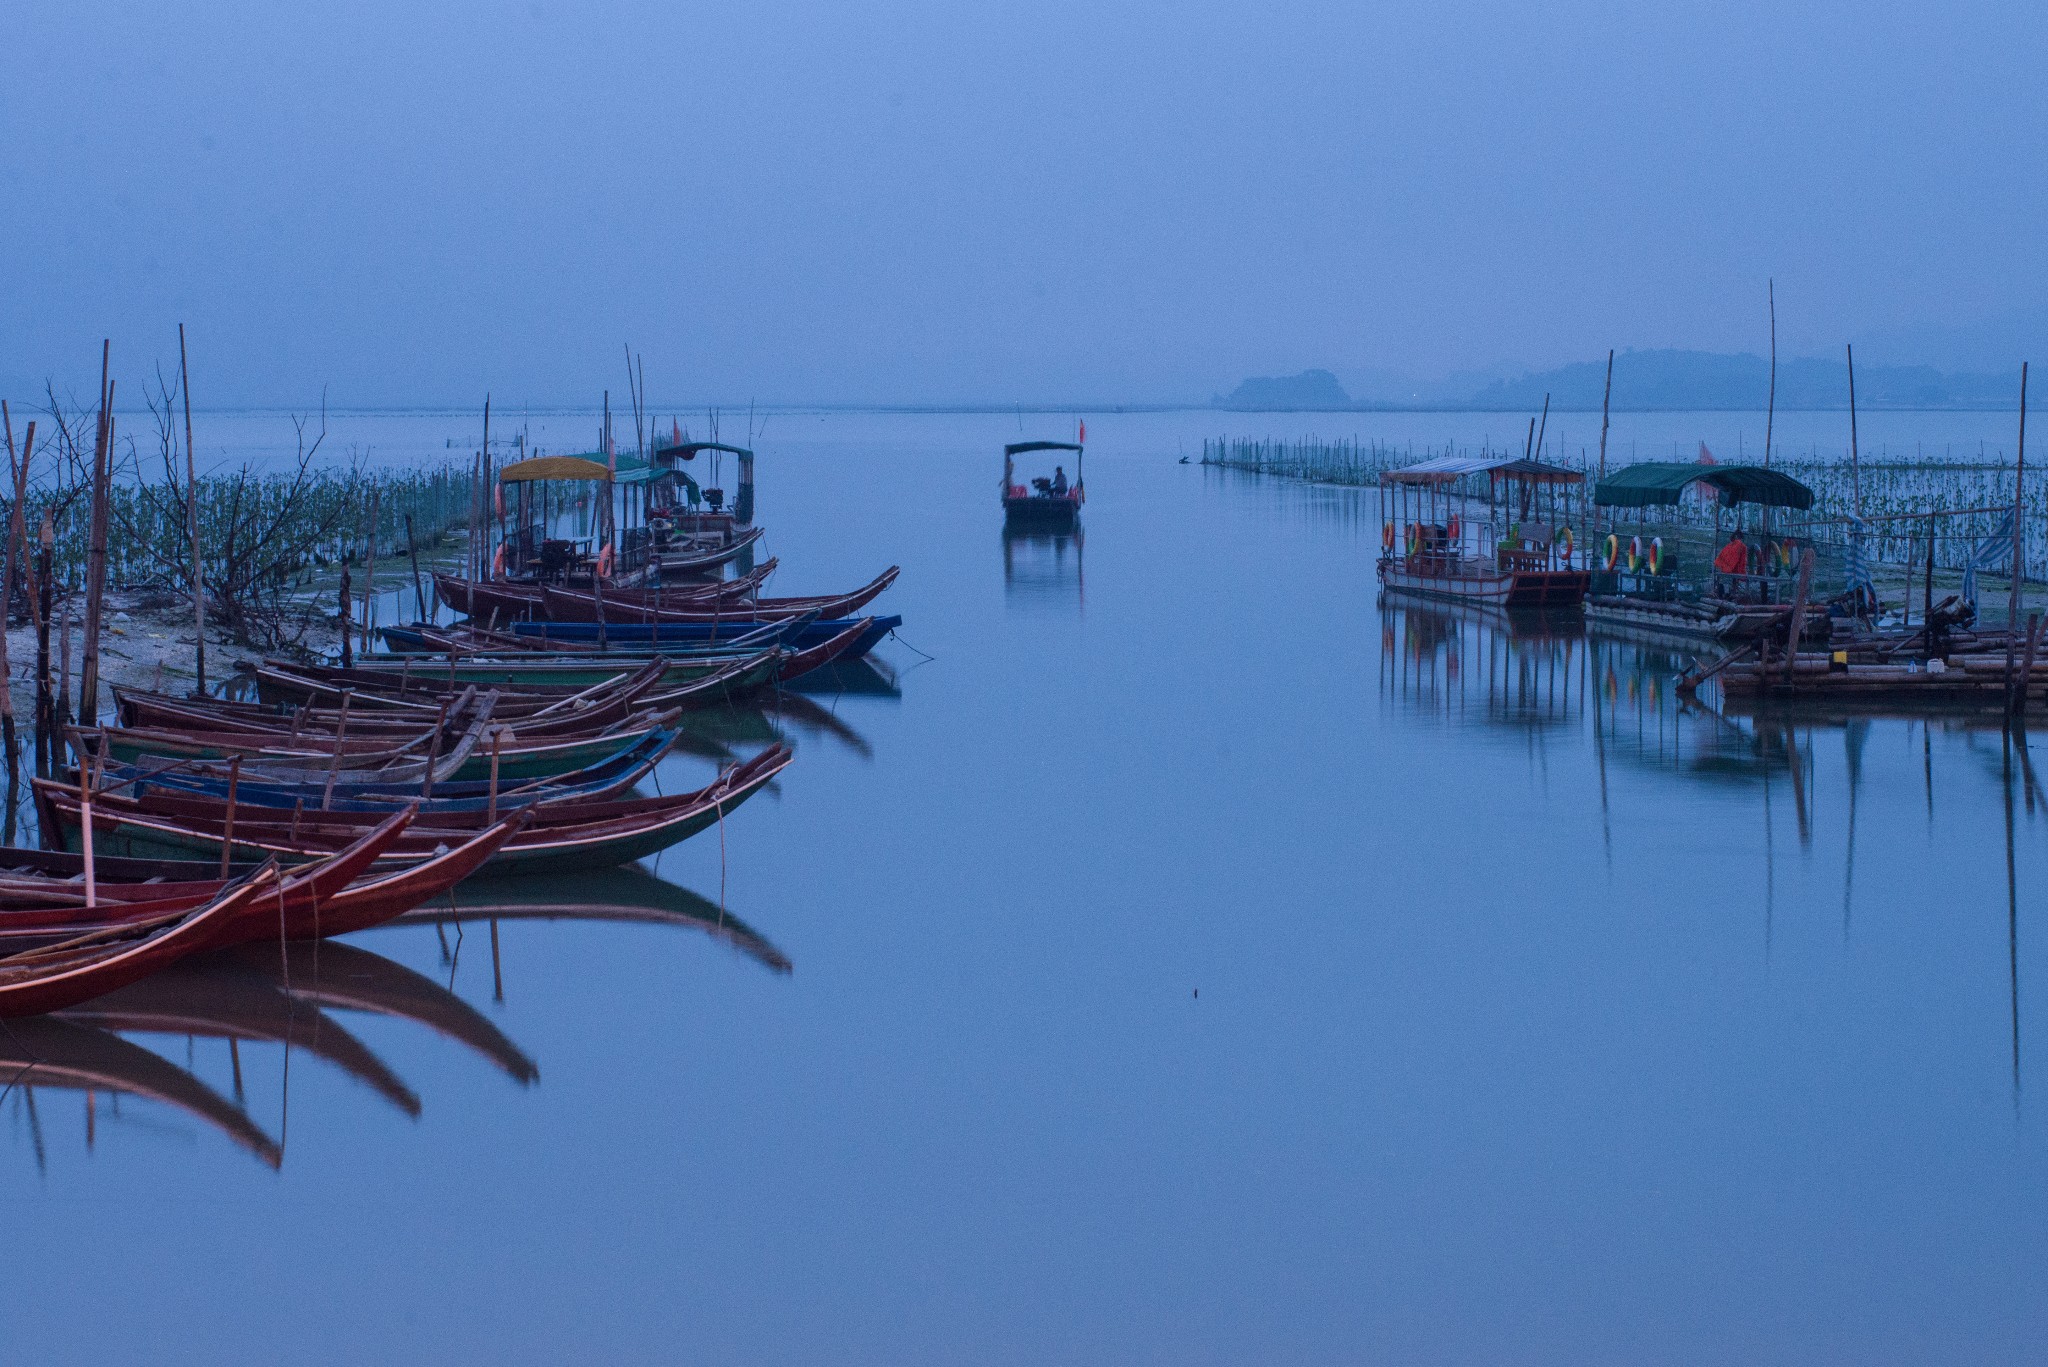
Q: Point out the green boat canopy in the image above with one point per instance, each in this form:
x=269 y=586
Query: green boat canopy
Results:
x=688 y=450
x=1019 y=448
x=1655 y=483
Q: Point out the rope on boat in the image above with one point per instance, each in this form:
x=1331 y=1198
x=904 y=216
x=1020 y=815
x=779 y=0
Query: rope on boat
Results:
x=897 y=637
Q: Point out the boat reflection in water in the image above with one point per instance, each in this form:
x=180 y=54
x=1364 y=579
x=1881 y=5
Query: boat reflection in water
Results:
x=1043 y=568
x=293 y=998
x=1615 y=701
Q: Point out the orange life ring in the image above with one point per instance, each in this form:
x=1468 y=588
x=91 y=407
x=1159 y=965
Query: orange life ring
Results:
x=498 y=562
x=1656 y=555
x=1635 y=553
x=604 y=562
x=1387 y=537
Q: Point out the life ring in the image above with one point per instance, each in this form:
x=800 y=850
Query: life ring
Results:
x=604 y=562
x=498 y=562
x=1656 y=555
x=1455 y=528
x=1781 y=555
x=1387 y=537
x=1564 y=542
x=1414 y=538
x=1613 y=555
x=1635 y=554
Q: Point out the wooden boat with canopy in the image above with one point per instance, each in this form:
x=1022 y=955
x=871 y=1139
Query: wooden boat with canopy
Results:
x=1514 y=546
x=1640 y=586
x=1045 y=506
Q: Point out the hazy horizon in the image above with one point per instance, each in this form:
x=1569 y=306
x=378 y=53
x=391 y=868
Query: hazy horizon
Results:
x=1065 y=205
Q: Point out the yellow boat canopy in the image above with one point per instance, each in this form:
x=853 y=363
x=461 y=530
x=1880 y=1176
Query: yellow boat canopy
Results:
x=554 y=467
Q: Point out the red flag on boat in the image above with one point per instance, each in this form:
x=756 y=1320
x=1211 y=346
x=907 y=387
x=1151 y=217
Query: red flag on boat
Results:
x=1706 y=456
x=1082 y=435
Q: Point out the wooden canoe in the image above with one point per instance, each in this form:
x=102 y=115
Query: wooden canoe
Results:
x=574 y=605
x=594 y=835
x=52 y=977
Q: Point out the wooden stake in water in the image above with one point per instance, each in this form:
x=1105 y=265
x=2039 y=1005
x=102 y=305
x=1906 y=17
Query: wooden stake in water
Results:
x=85 y=831
x=419 y=593
x=1855 y=465
x=192 y=520
x=497 y=750
x=2019 y=522
x=96 y=548
x=1605 y=396
x=227 y=835
x=1771 y=404
x=15 y=538
x=370 y=574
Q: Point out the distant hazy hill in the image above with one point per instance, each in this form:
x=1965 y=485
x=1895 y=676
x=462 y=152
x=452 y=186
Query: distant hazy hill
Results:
x=1310 y=390
x=1704 y=379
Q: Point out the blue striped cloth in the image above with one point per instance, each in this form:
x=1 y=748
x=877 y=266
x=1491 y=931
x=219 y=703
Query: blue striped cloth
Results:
x=1991 y=551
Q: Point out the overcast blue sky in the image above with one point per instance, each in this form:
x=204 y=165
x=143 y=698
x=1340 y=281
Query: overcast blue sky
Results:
x=1037 y=202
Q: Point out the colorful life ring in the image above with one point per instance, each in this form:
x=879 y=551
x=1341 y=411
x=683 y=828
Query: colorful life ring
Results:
x=1564 y=542
x=1656 y=555
x=604 y=562
x=1414 y=538
x=1781 y=553
x=498 y=562
x=1613 y=555
x=1635 y=554
x=1387 y=537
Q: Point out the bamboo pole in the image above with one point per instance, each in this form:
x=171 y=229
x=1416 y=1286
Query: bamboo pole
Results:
x=370 y=572
x=1855 y=462
x=347 y=621
x=85 y=832
x=192 y=519
x=227 y=835
x=15 y=537
x=46 y=702
x=96 y=548
x=334 y=760
x=412 y=552
x=1606 y=396
x=2019 y=508
x=497 y=750
x=1797 y=625
x=1771 y=404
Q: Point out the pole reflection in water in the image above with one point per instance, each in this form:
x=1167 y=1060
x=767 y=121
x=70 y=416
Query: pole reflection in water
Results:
x=1543 y=680
x=291 y=997
x=1044 y=568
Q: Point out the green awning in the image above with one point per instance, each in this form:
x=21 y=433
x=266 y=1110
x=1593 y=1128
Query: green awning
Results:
x=1659 y=483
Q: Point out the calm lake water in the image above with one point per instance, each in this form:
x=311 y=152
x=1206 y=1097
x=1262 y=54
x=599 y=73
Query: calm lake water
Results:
x=1194 y=960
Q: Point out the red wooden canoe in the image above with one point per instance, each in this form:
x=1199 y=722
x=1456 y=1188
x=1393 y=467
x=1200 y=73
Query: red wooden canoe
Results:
x=573 y=605
x=52 y=977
